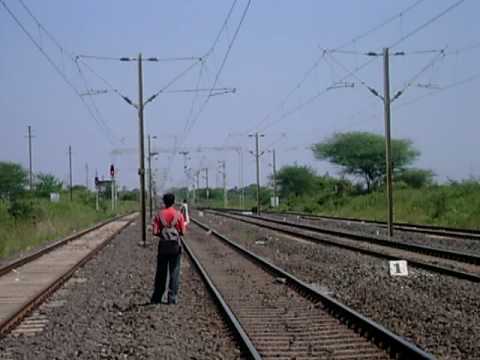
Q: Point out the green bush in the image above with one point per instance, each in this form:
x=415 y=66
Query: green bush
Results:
x=437 y=204
x=39 y=220
x=20 y=209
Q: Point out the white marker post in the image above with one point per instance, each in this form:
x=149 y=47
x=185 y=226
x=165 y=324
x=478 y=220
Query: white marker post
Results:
x=398 y=268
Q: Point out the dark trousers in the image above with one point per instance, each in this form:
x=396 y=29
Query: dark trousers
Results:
x=170 y=264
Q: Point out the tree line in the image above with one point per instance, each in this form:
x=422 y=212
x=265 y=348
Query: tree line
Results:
x=20 y=200
x=360 y=158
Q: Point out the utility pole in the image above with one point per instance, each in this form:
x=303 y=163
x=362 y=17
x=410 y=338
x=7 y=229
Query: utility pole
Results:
x=240 y=180
x=224 y=177
x=185 y=167
x=206 y=184
x=97 y=200
x=257 y=157
x=112 y=185
x=388 y=149
x=197 y=178
x=141 y=170
x=274 y=165
x=70 y=167
x=86 y=175
x=154 y=187
x=150 y=176
x=30 y=157
x=194 y=190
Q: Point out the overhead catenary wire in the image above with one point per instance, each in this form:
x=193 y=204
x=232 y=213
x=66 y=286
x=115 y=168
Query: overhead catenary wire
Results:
x=194 y=99
x=455 y=84
x=40 y=25
x=427 y=23
x=358 y=68
x=173 y=81
x=103 y=79
x=221 y=30
x=193 y=118
x=220 y=70
x=316 y=96
x=55 y=67
x=94 y=105
x=363 y=83
x=108 y=131
x=318 y=60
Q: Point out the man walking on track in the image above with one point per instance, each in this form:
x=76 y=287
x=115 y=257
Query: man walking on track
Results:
x=169 y=225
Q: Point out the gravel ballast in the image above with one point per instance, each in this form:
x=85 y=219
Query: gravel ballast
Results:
x=438 y=313
x=104 y=313
x=468 y=245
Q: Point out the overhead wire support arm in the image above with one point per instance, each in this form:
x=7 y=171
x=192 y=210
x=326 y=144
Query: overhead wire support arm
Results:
x=92 y=92
x=439 y=56
x=174 y=80
x=130 y=102
x=154 y=59
x=223 y=90
x=369 y=88
x=78 y=60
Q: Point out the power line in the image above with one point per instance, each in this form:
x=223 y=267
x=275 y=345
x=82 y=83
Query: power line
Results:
x=217 y=76
x=194 y=99
x=363 y=83
x=317 y=61
x=313 y=98
x=358 y=68
x=52 y=63
x=192 y=119
x=455 y=84
x=173 y=81
x=40 y=25
x=464 y=49
x=221 y=30
x=95 y=107
x=227 y=53
x=381 y=25
x=427 y=23
x=105 y=81
x=108 y=131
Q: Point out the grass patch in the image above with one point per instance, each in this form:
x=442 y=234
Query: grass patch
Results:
x=455 y=205
x=49 y=221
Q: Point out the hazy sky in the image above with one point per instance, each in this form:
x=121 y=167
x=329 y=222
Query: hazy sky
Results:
x=277 y=44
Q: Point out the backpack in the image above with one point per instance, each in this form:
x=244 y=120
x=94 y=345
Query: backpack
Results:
x=170 y=242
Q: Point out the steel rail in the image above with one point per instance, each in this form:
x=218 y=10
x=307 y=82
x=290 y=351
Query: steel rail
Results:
x=245 y=342
x=17 y=315
x=28 y=258
x=423 y=265
x=428 y=250
x=397 y=347
x=419 y=228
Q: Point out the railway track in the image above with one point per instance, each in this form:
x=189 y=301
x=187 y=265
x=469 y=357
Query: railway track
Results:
x=407 y=227
x=27 y=282
x=458 y=264
x=278 y=316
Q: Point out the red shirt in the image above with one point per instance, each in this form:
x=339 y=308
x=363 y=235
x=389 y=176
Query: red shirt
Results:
x=168 y=215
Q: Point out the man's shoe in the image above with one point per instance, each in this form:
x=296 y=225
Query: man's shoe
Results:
x=155 y=302
x=172 y=301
